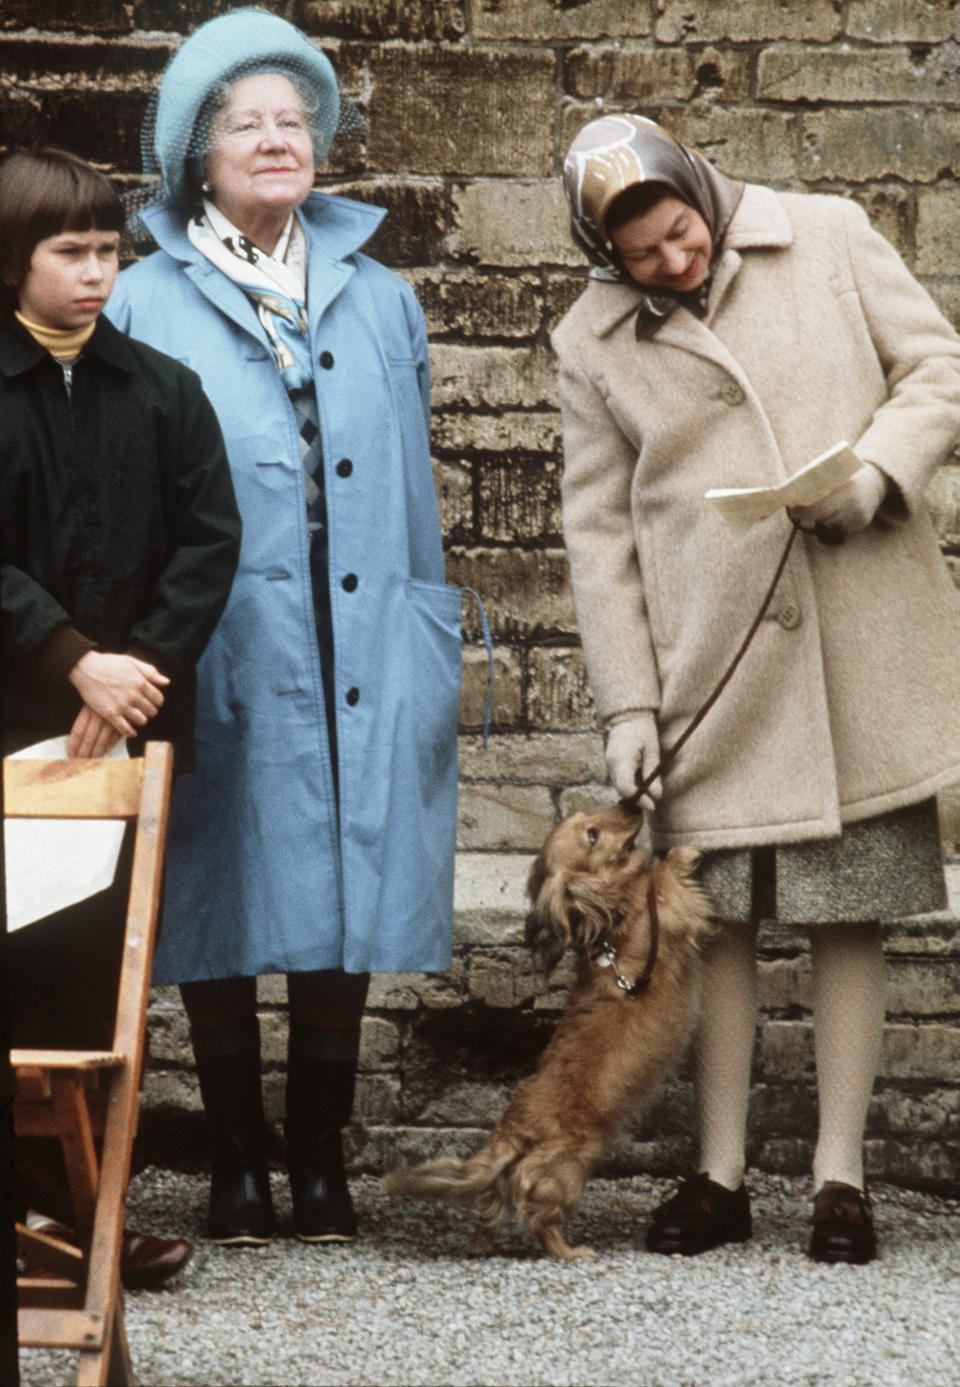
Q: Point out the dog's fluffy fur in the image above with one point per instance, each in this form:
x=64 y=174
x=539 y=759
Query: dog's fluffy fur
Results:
x=588 y=885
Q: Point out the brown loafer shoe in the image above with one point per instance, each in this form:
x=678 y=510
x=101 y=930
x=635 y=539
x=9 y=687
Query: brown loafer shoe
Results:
x=700 y=1216
x=145 y=1262
x=843 y=1228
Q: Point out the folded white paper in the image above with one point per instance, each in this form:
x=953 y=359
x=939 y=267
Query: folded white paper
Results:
x=53 y=863
x=744 y=505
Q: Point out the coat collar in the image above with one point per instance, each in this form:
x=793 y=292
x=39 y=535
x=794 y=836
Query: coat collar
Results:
x=19 y=352
x=336 y=226
x=759 y=223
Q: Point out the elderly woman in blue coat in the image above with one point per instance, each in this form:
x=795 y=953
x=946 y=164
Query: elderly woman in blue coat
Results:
x=316 y=836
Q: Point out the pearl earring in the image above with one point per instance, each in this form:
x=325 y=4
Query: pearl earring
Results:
x=205 y=187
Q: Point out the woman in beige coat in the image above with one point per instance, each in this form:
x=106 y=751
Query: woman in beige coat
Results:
x=730 y=334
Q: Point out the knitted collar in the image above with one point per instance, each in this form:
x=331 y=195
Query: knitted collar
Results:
x=63 y=343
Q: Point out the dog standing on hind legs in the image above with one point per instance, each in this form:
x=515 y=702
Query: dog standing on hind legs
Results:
x=637 y=928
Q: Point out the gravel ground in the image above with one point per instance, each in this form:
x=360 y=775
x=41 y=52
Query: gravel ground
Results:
x=404 y=1307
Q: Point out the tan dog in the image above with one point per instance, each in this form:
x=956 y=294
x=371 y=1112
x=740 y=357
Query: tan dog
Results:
x=591 y=886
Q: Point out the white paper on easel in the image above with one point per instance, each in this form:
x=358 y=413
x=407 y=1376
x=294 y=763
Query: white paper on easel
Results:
x=744 y=505
x=53 y=863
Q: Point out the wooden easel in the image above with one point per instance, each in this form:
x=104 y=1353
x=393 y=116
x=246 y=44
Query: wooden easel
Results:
x=70 y=1298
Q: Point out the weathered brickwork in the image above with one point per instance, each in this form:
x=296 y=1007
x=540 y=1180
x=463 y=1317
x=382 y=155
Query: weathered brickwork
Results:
x=470 y=105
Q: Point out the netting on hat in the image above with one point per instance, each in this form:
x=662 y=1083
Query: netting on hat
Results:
x=197 y=106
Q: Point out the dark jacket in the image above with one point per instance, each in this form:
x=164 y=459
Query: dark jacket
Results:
x=119 y=528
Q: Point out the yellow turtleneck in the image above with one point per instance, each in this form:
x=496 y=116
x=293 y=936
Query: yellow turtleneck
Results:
x=64 y=343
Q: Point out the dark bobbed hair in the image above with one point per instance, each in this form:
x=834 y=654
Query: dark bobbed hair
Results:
x=633 y=202
x=44 y=192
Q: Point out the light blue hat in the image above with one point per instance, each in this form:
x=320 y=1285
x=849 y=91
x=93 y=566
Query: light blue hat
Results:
x=248 y=39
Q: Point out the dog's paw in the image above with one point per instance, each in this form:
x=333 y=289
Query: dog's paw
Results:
x=579 y=1254
x=684 y=861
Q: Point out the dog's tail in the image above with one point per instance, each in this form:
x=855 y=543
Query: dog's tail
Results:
x=455 y=1182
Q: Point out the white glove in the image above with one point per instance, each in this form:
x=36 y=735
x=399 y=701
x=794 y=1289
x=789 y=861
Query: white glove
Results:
x=851 y=507
x=632 y=752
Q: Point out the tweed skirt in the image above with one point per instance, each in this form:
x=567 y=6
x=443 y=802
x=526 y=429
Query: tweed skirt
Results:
x=879 y=868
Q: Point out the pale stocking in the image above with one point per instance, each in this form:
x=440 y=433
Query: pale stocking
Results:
x=724 y=1055
x=849 y=1007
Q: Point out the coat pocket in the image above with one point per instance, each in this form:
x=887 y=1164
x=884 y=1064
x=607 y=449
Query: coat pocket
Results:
x=399 y=847
x=399 y=831
x=432 y=655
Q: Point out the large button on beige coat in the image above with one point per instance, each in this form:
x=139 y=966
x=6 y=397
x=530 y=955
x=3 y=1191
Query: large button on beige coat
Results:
x=848 y=702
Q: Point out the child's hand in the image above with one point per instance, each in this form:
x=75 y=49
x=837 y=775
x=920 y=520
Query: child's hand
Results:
x=91 y=735
x=120 y=689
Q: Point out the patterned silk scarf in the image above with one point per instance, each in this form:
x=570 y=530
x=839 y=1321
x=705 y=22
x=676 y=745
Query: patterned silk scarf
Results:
x=276 y=284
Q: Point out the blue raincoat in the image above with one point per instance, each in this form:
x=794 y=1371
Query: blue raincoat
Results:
x=262 y=873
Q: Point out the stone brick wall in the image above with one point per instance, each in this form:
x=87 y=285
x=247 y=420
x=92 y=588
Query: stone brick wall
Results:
x=470 y=106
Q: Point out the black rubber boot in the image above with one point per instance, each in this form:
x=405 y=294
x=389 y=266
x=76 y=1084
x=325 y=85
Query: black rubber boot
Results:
x=228 y=1067
x=321 y=1078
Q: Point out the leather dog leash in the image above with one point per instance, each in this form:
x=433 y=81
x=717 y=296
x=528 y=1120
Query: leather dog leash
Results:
x=670 y=755
x=606 y=956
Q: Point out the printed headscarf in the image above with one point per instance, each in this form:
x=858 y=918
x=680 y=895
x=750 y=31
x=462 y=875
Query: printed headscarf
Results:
x=617 y=152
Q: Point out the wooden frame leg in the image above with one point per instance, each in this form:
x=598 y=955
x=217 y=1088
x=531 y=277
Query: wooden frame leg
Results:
x=109 y=1366
x=79 y=1150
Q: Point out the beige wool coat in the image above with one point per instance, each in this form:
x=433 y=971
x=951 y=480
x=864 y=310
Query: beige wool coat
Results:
x=848 y=702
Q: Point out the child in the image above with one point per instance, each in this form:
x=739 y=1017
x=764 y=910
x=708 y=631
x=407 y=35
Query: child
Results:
x=120 y=536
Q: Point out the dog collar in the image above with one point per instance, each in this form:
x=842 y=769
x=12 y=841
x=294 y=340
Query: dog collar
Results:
x=606 y=956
